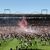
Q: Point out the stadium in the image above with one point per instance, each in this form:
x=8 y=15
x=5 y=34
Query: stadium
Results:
x=24 y=31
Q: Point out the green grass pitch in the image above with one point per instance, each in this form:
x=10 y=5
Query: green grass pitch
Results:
x=12 y=43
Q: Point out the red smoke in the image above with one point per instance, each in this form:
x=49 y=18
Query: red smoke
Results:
x=23 y=23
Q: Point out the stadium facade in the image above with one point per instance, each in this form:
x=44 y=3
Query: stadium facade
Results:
x=37 y=19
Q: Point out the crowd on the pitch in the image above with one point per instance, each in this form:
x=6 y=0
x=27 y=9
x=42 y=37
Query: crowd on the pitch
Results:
x=44 y=36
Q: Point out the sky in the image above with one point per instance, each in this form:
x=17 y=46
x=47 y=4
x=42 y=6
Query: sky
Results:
x=33 y=6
